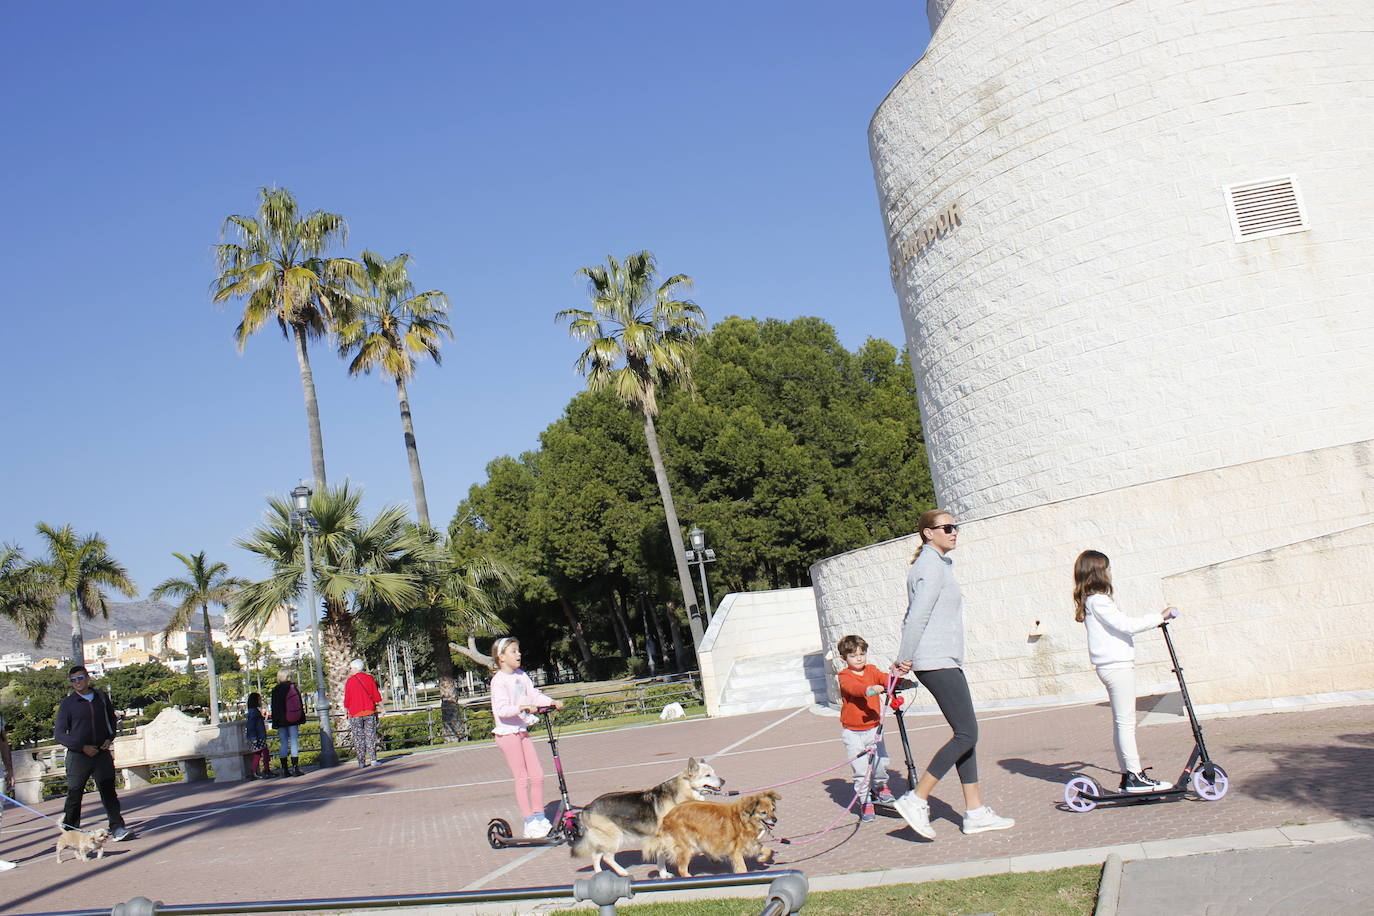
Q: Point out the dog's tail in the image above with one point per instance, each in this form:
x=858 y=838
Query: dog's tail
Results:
x=654 y=847
x=578 y=847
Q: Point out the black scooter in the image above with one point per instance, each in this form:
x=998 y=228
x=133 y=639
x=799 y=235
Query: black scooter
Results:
x=1206 y=780
x=565 y=827
x=895 y=702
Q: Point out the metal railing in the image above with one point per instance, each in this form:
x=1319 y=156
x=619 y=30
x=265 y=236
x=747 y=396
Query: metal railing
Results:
x=786 y=896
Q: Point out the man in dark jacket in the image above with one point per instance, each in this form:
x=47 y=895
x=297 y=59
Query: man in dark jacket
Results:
x=85 y=726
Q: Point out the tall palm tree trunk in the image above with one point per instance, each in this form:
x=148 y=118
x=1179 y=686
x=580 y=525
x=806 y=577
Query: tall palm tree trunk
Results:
x=448 y=683
x=684 y=575
x=417 y=479
x=312 y=410
x=338 y=645
x=78 y=644
x=210 y=665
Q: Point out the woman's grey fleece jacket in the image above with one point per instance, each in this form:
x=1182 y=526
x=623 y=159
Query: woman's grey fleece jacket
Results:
x=933 y=629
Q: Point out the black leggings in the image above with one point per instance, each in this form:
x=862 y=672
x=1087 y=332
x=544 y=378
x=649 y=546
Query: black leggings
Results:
x=950 y=690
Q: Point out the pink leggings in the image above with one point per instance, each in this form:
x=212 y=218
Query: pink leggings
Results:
x=529 y=775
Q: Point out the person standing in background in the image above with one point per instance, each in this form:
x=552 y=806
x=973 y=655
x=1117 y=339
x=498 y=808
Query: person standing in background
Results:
x=363 y=701
x=288 y=712
x=85 y=725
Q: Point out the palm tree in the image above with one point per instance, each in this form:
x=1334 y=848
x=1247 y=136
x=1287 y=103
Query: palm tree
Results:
x=459 y=593
x=392 y=325
x=79 y=568
x=204 y=584
x=640 y=337
x=21 y=600
x=278 y=267
x=356 y=560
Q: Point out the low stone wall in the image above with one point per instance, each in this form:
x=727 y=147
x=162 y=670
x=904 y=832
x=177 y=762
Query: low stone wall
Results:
x=1165 y=540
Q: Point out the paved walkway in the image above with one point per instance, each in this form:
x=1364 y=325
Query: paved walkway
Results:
x=1321 y=880
x=417 y=823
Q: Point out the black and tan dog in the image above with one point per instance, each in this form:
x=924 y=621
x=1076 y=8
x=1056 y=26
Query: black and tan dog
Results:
x=617 y=817
x=730 y=830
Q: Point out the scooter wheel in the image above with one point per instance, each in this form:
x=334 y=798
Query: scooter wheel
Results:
x=1081 y=794
x=498 y=832
x=1210 y=789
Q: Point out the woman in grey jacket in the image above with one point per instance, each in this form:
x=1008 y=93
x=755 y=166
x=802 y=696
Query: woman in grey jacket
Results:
x=933 y=647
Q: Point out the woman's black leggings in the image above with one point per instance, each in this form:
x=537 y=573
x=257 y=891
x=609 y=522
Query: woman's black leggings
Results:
x=950 y=689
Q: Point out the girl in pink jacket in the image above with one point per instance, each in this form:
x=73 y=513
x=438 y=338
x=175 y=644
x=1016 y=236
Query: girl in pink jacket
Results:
x=514 y=700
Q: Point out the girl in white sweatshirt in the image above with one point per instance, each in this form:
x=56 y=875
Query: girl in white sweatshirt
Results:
x=1111 y=647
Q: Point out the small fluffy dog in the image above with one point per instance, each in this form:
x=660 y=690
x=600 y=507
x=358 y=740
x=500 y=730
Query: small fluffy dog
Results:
x=82 y=843
x=722 y=830
x=612 y=819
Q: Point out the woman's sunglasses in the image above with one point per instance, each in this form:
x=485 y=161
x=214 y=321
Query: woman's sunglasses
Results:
x=947 y=529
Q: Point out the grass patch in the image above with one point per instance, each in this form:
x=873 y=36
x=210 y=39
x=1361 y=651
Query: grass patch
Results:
x=1065 y=892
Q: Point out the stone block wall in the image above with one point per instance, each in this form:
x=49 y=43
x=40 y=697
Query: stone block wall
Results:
x=1016 y=569
x=1089 y=323
x=1291 y=620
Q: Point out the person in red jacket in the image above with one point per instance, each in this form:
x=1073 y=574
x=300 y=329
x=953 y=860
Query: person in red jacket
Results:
x=363 y=701
x=861 y=697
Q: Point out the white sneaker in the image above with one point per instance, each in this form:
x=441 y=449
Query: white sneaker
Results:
x=539 y=827
x=6 y=864
x=981 y=820
x=916 y=812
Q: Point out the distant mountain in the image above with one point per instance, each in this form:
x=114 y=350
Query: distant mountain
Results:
x=126 y=617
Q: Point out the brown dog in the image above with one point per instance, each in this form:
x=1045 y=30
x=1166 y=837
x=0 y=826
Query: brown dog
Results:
x=615 y=818
x=82 y=843
x=722 y=830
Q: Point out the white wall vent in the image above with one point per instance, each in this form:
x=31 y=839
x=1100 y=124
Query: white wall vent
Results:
x=1259 y=209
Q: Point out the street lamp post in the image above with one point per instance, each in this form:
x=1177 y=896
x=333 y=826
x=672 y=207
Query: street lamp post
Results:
x=700 y=554
x=306 y=524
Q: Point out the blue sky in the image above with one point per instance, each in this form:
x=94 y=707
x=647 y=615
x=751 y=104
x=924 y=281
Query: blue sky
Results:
x=504 y=145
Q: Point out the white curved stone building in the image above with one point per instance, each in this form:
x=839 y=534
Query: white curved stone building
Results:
x=1133 y=245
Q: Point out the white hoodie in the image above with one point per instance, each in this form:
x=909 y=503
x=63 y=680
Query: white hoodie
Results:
x=1111 y=633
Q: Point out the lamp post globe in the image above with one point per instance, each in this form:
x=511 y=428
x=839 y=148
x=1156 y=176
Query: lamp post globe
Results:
x=701 y=556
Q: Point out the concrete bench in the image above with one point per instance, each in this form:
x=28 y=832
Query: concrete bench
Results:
x=173 y=737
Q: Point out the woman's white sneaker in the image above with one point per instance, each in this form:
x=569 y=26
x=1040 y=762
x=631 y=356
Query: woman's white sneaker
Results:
x=916 y=811
x=981 y=820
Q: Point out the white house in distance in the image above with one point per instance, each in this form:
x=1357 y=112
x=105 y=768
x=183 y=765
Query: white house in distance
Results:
x=15 y=661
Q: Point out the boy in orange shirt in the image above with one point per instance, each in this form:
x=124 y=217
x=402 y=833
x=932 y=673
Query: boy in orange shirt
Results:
x=861 y=688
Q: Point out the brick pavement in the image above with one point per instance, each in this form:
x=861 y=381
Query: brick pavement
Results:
x=417 y=823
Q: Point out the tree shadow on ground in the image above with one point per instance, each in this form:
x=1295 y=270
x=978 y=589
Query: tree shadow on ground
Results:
x=185 y=823
x=1333 y=777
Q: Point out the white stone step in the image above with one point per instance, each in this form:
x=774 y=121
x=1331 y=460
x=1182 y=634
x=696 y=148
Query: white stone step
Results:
x=774 y=682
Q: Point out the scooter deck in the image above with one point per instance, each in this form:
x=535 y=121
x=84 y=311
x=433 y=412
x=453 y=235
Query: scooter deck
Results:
x=1140 y=796
x=523 y=842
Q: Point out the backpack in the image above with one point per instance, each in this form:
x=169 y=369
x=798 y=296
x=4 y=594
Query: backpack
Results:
x=295 y=712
